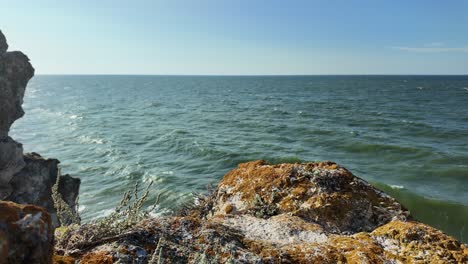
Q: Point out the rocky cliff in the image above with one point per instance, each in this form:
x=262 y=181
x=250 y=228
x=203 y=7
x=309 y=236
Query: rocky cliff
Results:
x=15 y=72
x=28 y=178
x=287 y=213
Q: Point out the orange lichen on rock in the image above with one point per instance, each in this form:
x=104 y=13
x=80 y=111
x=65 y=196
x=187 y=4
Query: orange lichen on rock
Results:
x=26 y=234
x=288 y=213
x=416 y=242
x=359 y=248
x=99 y=257
x=322 y=192
x=57 y=259
x=254 y=177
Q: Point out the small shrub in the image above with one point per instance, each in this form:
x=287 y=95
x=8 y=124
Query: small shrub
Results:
x=128 y=212
x=77 y=239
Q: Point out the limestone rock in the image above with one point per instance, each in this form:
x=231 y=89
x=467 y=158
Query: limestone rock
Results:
x=15 y=72
x=26 y=234
x=322 y=192
x=34 y=183
x=11 y=162
x=287 y=213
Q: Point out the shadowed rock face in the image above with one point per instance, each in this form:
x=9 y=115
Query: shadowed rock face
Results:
x=15 y=72
x=33 y=184
x=25 y=179
x=3 y=43
x=11 y=162
x=288 y=213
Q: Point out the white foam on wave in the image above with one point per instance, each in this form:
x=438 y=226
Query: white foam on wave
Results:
x=91 y=140
x=398 y=187
x=81 y=208
x=75 y=117
x=153 y=177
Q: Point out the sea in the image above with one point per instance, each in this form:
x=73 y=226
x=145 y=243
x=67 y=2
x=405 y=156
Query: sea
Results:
x=406 y=135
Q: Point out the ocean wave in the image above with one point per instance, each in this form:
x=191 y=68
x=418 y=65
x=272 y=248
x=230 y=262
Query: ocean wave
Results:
x=364 y=147
x=111 y=135
x=91 y=140
x=81 y=208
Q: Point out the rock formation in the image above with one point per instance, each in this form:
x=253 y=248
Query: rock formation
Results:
x=33 y=185
x=15 y=72
x=26 y=234
x=25 y=179
x=288 y=213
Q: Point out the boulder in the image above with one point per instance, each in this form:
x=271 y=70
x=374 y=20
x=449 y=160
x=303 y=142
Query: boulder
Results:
x=287 y=213
x=26 y=234
x=323 y=192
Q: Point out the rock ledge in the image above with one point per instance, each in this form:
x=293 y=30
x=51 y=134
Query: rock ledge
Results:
x=287 y=213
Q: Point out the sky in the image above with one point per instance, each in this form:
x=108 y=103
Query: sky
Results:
x=239 y=37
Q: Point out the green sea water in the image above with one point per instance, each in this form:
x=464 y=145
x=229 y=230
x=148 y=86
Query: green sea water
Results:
x=407 y=135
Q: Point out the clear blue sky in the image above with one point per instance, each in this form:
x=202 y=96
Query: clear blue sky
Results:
x=240 y=36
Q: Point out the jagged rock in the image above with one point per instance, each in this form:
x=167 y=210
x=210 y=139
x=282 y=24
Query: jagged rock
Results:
x=287 y=213
x=3 y=43
x=15 y=72
x=26 y=234
x=11 y=162
x=25 y=179
x=34 y=183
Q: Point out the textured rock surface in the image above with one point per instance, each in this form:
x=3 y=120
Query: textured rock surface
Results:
x=26 y=234
x=287 y=213
x=323 y=193
x=11 y=162
x=15 y=72
x=3 y=43
x=34 y=184
x=26 y=179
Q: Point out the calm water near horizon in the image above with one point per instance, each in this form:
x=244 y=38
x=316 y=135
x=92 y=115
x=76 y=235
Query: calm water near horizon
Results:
x=407 y=135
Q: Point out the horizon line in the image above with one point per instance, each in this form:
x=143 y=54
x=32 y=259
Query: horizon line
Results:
x=249 y=75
